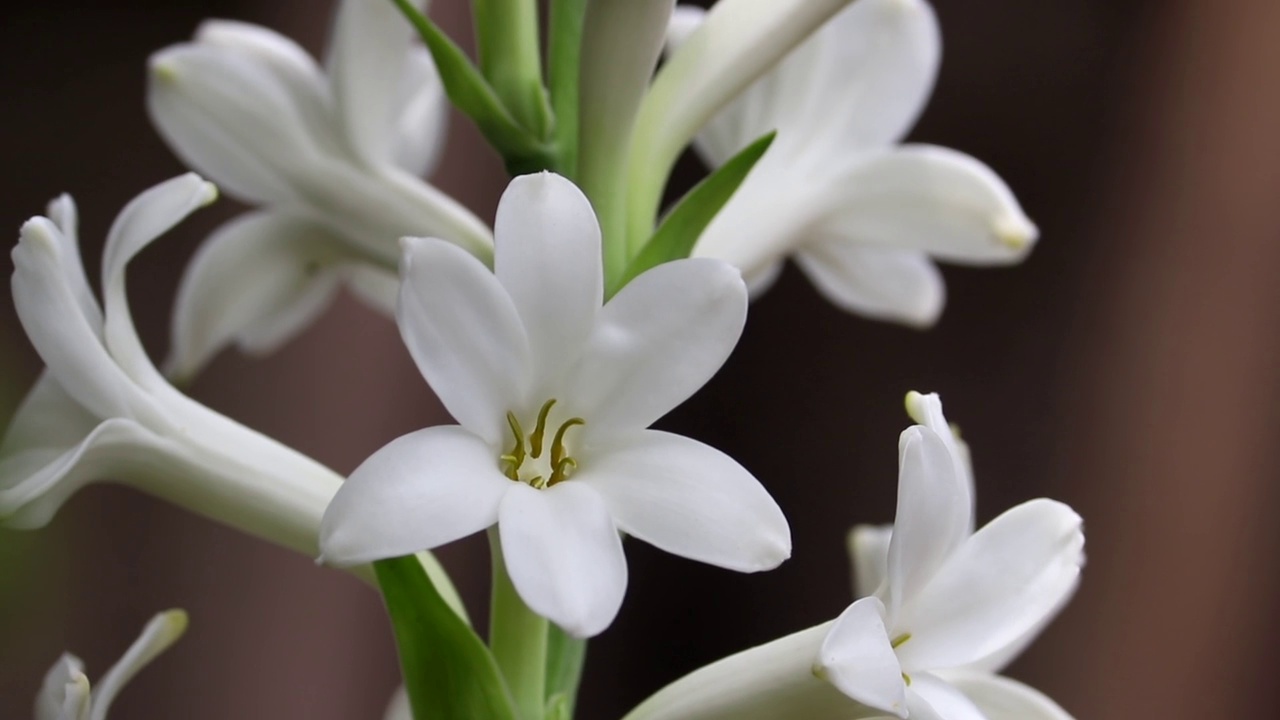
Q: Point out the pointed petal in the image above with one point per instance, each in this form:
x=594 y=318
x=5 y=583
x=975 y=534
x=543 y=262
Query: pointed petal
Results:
x=258 y=280
x=930 y=698
x=880 y=283
x=564 y=555
x=421 y=117
x=931 y=199
x=1000 y=583
x=760 y=281
x=284 y=57
x=68 y=342
x=420 y=491
x=658 y=341
x=869 y=549
x=926 y=409
x=932 y=518
x=145 y=218
x=47 y=423
x=858 y=659
x=367 y=56
x=233 y=118
x=58 y=686
x=464 y=333
x=1002 y=698
x=547 y=256
x=62 y=213
x=162 y=631
x=690 y=500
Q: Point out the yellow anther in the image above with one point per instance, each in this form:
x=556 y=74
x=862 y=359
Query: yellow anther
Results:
x=561 y=471
x=897 y=642
x=516 y=456
x=906 y=679
x=539 y=430
x=557 y=444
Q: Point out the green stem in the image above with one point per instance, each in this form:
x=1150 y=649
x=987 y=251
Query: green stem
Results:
x=564 y=53
x=518 y=639
x=510 y=59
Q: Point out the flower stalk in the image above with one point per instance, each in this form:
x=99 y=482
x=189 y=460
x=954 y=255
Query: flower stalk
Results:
x=518 y=639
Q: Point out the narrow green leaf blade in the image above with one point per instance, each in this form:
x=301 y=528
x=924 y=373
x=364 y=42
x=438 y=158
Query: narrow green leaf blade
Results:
x=448 y=671
x=675 y=237
x=471 y=93
x=565 y=656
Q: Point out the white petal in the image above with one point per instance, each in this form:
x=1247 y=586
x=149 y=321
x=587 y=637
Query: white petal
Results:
x=1000 y=583
x=932 y=519
x=62 y=683
x=658 y=341
x=367 y=56
x=375 y=287
x=547 y=256
x=421 y=117
x=760 y=281
x=930 y=698
x=62 y=212
x=398 y=707
x=162 y=631
x=145 y=218
x=857 y=657
x=564 y=555
x=1001 y=698
x=420 y=491
x=258 y=280
x=464 y=333
x=932 y=199
x=684 y=20
x=690 y=500
x=880 y=283
x=926 y=409
x=869 y=549
x=234 y=119
x=69 y=343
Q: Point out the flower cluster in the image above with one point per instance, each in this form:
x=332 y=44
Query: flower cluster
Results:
x=556 y=340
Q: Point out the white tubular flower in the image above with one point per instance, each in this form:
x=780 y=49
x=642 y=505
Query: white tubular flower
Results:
x=101 y=410
x=66 y=694
x=950 y=608
x=553 y=392
x=862 y=216
x=333 y=155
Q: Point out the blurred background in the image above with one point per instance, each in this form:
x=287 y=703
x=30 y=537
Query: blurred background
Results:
x=1127 y=368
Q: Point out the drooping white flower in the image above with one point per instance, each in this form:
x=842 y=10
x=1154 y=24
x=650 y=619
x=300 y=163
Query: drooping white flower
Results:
x=333 y=155
x=553 y=392
x=101 y=410
x=863 y=216
x=66 y=693
x=950 y=607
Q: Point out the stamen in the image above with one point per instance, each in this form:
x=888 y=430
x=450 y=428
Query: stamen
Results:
x=561 y=471
x=516 y=456
x=539 y=431
x=906 y=679
x=557 y=444
x=897 y=642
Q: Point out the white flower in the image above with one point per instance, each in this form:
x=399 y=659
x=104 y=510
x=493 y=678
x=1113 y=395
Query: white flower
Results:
x=553 y=392
x=101 y=411
x=334 y=158
x=951 y=607
x=66 y=694
x=862 y=216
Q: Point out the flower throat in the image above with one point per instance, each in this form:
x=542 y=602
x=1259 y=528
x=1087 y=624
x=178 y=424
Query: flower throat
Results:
x=558 y=465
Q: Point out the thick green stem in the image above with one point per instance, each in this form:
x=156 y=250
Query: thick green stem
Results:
x=510 y=59
x=518 y=639
x=564 y=53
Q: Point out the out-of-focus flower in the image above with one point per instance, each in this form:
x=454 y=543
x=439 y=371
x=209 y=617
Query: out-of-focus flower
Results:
x=863 y=216
x=553 y=392
x=333 y=155
x=66 y=694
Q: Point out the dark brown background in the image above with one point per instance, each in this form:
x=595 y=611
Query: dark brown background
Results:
x=1127 y=368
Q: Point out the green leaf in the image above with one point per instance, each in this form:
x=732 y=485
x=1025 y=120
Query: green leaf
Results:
x=471 y=93
x=675 y=237
x=448 y=671
x=565 y=655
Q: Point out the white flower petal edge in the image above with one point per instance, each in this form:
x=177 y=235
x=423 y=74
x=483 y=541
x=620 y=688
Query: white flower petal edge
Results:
x=333 y=156
x=861 y=215
x=553 y=392
x=949 y=607
x=66 y=693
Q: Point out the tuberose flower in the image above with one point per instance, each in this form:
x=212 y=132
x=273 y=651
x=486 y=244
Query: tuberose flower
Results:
x=66 y=693
x=950 y=607
x=862 y=216
x=334 y=156
x=553 y=391
x=101 y=410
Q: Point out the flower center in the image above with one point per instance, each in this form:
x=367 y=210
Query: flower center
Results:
x=527 y=463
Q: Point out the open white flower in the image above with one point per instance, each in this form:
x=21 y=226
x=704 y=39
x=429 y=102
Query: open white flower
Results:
x=101 y=410
x=334 y=155
x=951 y=607
x=862 y=216
x=553 y=392
x=66 y=694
